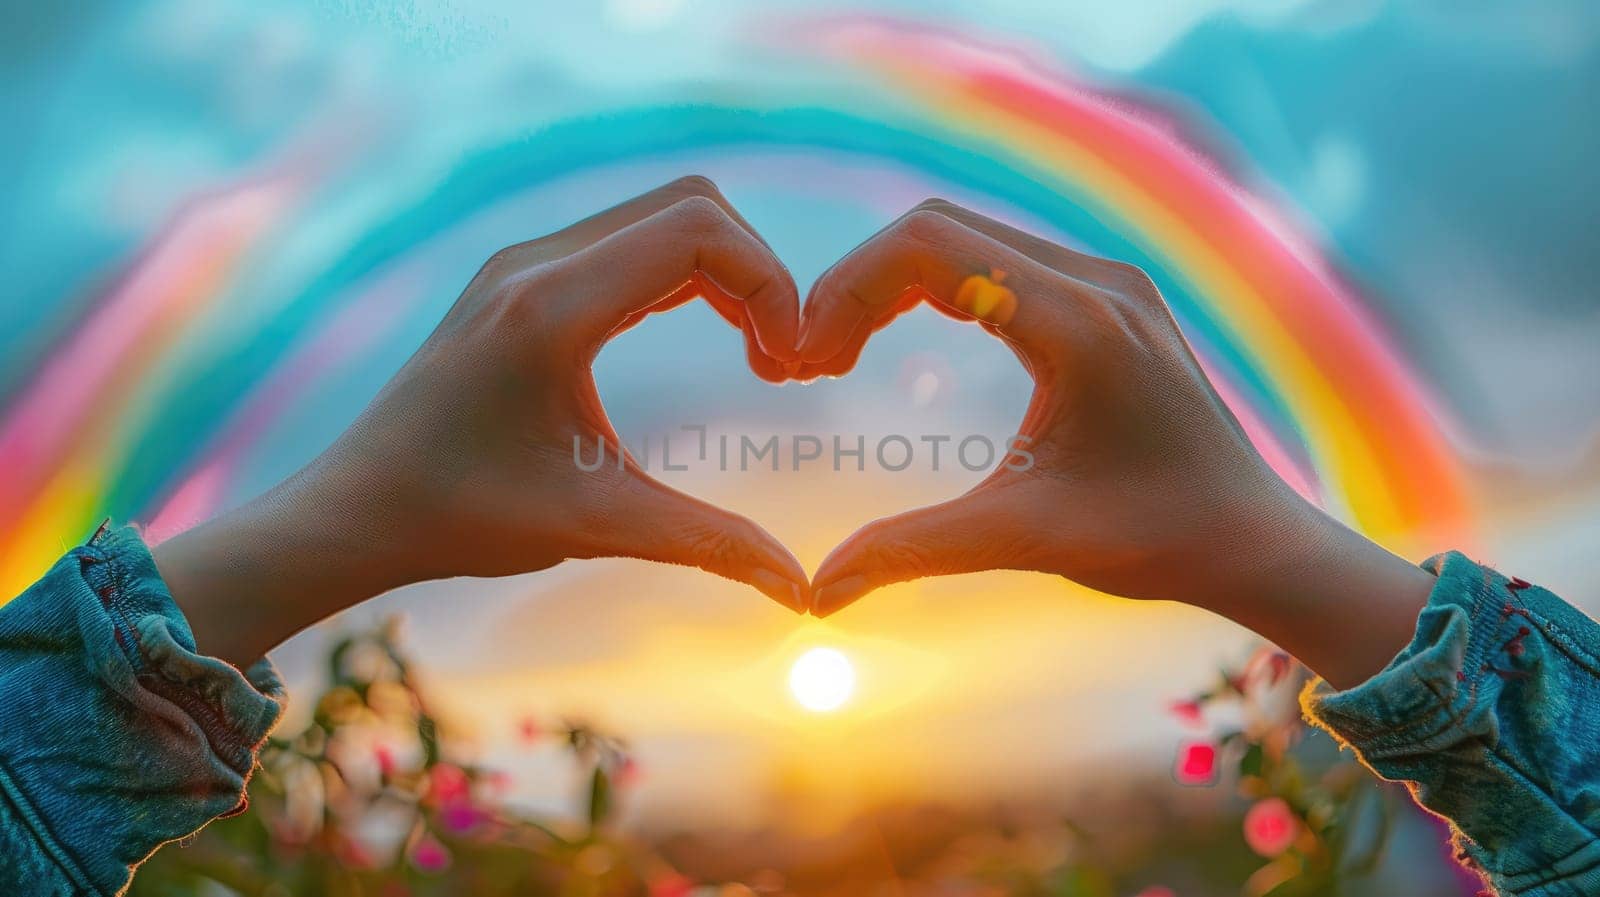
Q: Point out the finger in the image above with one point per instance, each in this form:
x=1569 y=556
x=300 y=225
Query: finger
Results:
x=772 y=327
x=730 y=310
x=965 y=535
x=680 y=296
x=845 y=359
x=655 y=522
x=765 y=366
x=1052 y=255
x=930 y=255
x=772 y=317
x=843 y=362
x=600 y=225
x=691 y=243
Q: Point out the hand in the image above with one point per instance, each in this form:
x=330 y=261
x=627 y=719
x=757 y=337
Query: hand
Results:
x=464 y=463
x=1143 y=484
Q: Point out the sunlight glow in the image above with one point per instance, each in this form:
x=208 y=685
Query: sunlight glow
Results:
x=822 y=679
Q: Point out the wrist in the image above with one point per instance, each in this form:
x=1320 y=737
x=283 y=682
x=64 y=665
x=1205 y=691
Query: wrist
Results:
x=1341 y=603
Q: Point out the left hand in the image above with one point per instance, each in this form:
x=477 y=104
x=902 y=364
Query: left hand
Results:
x=464 y=463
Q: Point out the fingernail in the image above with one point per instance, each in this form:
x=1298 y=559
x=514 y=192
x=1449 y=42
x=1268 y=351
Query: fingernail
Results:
x=780 y=589
x=835 y=595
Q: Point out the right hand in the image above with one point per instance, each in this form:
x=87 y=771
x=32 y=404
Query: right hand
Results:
x=1143 y=484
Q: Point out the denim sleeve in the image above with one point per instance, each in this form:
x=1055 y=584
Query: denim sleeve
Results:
x=1491 y=716
x=115 y=736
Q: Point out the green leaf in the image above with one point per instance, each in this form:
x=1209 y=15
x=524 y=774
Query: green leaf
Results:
x=1250 y=763
x=336 y=673
x=1081 y=881
x=428 y=734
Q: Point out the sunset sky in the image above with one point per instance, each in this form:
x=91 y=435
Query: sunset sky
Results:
x=275 y=205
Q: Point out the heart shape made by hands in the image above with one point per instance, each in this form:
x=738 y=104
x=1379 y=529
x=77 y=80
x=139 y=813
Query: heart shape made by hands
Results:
x=1125 y=459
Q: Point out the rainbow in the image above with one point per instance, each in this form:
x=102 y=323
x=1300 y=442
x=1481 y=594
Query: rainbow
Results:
x=1276 y=314
x=113 y=421
x=62 y=435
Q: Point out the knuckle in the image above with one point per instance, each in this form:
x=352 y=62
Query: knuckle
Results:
x=925 y=225
x=700 y=214
x=517 y=304
x=717 y=547
x=695 y=185
x=1134 y=281
x=499 y=265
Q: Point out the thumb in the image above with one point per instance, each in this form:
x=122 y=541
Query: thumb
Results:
x=655 y=522
x=965 y=535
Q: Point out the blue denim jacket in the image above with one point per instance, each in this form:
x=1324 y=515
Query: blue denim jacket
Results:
x=116 y=737
x=1491 y=716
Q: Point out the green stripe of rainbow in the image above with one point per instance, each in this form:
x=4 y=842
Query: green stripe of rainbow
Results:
x=1294 y=352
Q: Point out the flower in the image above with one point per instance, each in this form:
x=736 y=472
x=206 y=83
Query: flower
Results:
x=1197 y=763
x=1271 y=826
x=1278 y=664
x=529 y=730
x=1157 y=891
x=385 y=758
x=671 y=884
x=627 y=772
x=1189 y=712
x=448 y=784
x=461 y=817
x=429 y=855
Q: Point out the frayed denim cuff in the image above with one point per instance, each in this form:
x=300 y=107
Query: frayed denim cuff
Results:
x=236 y=709
x=1491 y=715
x=116 y=736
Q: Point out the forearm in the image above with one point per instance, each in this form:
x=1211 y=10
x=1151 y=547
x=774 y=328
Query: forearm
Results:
x=255 y=576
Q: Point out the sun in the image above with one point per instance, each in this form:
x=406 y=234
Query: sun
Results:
x=822 y=679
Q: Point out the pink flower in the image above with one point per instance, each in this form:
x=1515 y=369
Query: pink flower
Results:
x=1188 y=712
x=529 y=730
x=1278 y=664
x=1157 y=891
x=430 y=856
x=461 y=817
x=1270 y=827
x=385 y=758
x=1197 y=763
x=627 y=772
x=447 y=784
x=671 y=885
